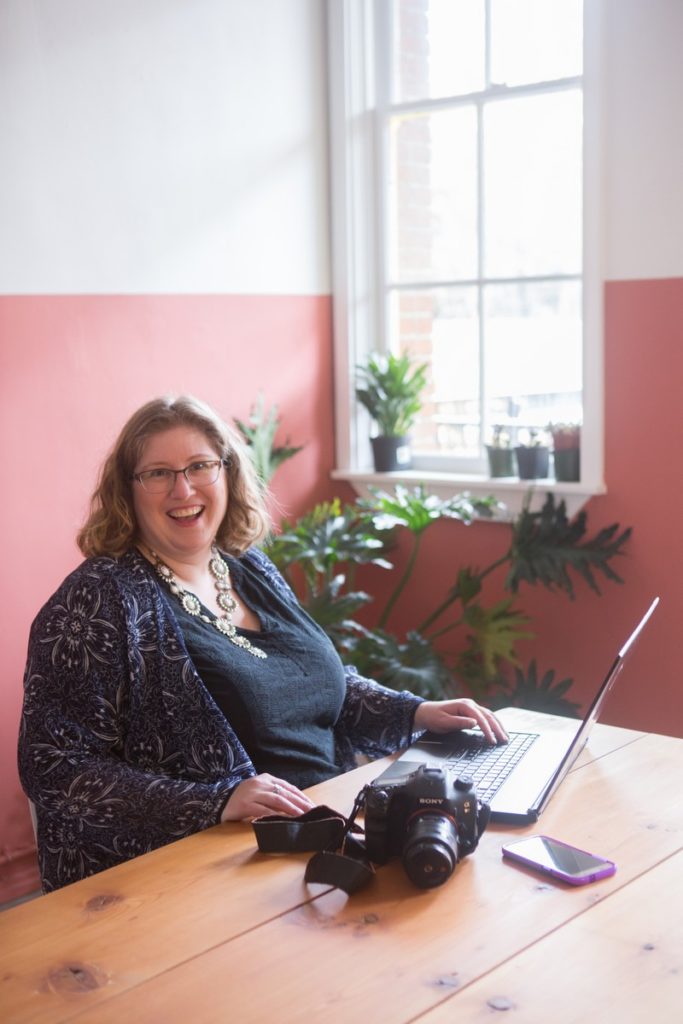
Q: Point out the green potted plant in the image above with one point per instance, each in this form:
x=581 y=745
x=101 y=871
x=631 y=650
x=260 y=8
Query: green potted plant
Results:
x=500 y=454
x=389 y=387
x=566 y=450
x=533 y=458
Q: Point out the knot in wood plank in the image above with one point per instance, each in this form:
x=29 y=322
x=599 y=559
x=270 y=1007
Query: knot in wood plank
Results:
x=500 y=1003
x=76 y=977
x=103 y=900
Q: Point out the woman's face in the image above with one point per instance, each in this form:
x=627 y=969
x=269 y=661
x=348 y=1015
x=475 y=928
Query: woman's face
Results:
x=180 y=523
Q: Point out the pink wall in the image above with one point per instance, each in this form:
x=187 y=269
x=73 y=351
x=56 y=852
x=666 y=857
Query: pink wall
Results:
x=72 y=369
x=643 y=380
x=643 y=376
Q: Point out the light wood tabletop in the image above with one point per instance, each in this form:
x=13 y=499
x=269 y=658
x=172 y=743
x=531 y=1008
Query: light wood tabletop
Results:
x=208 y=929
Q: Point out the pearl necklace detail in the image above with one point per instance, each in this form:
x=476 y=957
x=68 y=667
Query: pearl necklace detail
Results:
x=218 y=568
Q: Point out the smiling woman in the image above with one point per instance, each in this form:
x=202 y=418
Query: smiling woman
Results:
x=173 y=680
x=179 y=511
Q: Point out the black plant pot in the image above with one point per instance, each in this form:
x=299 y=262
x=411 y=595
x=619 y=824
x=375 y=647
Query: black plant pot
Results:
x=532 y=463
x=568 y=464
x=390 y=453
x=501 y=461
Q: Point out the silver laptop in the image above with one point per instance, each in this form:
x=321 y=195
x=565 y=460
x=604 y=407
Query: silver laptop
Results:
x=516 y=779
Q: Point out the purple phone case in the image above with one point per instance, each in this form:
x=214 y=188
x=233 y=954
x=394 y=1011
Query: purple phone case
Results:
x=606 y=869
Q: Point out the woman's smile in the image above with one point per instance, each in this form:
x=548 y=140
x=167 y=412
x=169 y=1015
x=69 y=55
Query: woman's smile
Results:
x=181 y=522
x=186 y=516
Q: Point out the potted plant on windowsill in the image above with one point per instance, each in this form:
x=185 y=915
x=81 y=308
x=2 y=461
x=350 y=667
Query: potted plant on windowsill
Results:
x=389 y=387
x=566 y=450
x=500 y=454
x=533 y=458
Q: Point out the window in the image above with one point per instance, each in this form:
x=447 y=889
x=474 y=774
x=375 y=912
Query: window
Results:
x=460 y=194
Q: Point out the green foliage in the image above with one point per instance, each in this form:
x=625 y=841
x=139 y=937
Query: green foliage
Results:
x=259 y=433
x=334 y=609
x=328 y=536
x=545 y=545
x=319 y=555
x=389 y=387
x=528 y=691
x=325 y=547
x=415 y=509
x=409 y=664
x=491 y=640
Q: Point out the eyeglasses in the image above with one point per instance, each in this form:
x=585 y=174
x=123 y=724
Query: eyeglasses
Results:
x=197 y=474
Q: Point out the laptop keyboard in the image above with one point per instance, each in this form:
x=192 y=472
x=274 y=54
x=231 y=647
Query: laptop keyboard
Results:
x=489 y=766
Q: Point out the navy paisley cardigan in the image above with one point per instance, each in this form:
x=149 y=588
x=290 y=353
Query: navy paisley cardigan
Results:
x=121 y=747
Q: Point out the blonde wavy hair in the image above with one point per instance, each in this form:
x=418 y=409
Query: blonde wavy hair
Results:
x=111 y=528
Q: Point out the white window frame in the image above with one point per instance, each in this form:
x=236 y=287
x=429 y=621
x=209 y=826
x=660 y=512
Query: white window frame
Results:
x=357 y=249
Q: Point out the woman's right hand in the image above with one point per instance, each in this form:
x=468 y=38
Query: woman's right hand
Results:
x=265 y=794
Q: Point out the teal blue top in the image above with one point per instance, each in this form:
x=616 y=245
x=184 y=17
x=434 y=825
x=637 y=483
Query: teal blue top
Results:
x=284 y=707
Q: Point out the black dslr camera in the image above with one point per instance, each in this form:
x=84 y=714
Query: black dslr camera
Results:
x=428 y=820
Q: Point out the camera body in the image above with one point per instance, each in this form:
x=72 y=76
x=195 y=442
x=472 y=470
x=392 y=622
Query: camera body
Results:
x=428 y=819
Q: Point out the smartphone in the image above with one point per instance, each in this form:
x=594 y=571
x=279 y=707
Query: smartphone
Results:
x=551 y=857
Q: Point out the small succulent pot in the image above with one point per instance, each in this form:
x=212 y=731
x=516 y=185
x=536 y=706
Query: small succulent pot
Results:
x=501 y=461
x=533 y=462
x=391 y=453
x=567 y=464
x=566 y=450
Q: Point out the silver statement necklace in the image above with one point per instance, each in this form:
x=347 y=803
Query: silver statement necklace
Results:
x=218 y=568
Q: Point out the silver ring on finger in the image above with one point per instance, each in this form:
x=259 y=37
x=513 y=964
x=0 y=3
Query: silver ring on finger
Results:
x=276 y=788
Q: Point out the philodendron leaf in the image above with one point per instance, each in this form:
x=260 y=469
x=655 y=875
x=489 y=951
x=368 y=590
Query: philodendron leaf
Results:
x=467 y=587
x=411 y=664
x=329 y=535
x=536 y=694
x=415 y=509
x=492 y=635
x=546 y=545
x=259 y=433
x=332 y=609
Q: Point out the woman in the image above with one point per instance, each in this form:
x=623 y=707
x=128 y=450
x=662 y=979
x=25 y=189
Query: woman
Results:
x=173 y=680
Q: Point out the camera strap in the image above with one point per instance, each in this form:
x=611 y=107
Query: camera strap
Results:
x=339 y=858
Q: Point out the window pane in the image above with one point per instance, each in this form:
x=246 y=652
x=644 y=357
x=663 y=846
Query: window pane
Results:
x=533 y=362
x=438 y=48
x=433 y=196
x=535 y=40
x=441 y=327
x=532 y=185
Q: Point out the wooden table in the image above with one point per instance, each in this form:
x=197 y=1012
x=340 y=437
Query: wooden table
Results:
x=209 y=930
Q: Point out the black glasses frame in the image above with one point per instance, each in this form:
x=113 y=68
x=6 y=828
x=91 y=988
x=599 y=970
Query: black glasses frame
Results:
x=207 y=462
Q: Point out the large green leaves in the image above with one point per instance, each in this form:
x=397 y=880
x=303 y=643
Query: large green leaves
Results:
x=320 y=552
x=259 y=433
x=492 y=637
x=328 y=535
x=333 y=608
x=546 y=544
x=415 y=509
x=326 y=546
x=528 y=690
x=389 y=387
x=409 y=664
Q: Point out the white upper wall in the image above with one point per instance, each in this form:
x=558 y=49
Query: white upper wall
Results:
x=643 y=138
x=180 y=145
x=163 y=146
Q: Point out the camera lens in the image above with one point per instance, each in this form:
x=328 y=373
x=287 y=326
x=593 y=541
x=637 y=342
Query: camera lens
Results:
x=430 y=851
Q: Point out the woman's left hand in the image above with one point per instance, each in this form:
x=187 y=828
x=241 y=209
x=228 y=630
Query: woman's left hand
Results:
x=463 y=713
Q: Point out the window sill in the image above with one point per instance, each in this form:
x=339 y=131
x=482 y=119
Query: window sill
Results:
x=508 y=490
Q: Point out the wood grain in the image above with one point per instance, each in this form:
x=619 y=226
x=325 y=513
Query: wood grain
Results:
x=623 y=962
x=391 y=952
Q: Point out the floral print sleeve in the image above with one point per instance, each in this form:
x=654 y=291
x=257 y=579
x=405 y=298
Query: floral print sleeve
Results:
x=121 y=747
x=120 y=750
x=375 y=720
